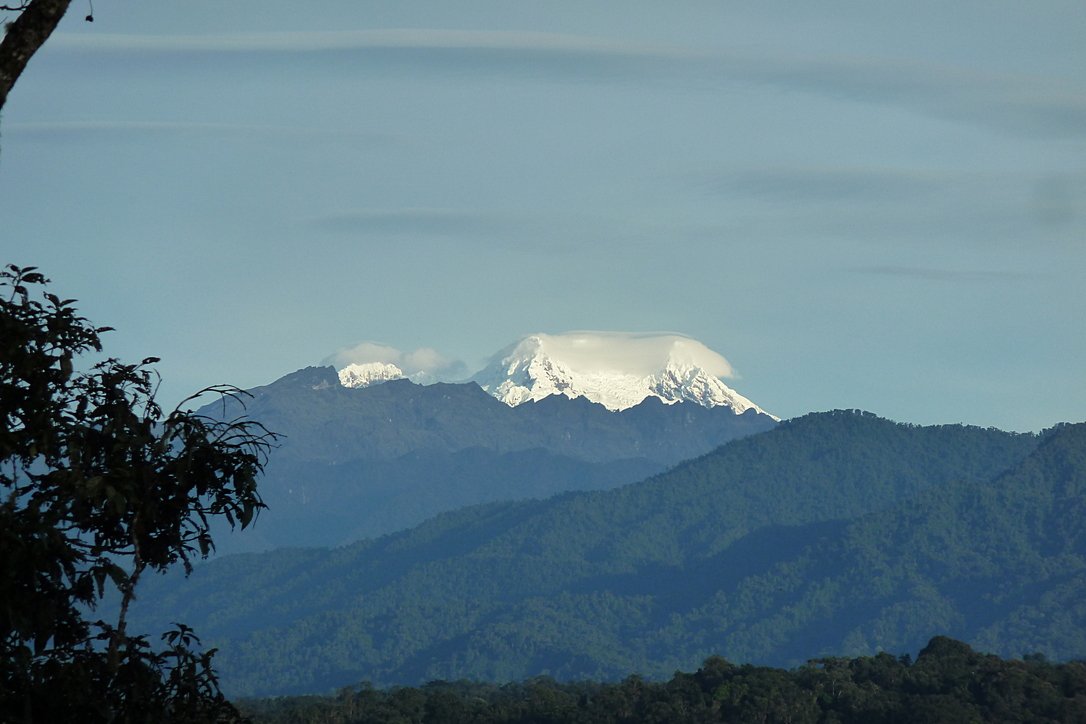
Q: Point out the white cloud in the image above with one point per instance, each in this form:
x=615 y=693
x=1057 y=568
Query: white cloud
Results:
x=424 y=362
x=634 y=353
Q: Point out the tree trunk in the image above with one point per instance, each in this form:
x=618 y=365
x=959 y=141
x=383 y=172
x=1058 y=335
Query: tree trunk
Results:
x=24 y=36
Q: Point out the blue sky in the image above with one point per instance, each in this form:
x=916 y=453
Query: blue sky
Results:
x=873 y=205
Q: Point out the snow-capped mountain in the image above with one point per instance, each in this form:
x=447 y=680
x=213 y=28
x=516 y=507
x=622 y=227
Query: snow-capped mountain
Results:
x=364 y=374
x=369 y=363
x=615 y=370
x=368 y=373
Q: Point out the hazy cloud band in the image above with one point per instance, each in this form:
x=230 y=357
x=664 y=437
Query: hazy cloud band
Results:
x=1021 y=104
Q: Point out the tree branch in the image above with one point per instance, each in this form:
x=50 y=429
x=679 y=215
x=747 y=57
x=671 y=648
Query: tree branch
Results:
x=24 y=36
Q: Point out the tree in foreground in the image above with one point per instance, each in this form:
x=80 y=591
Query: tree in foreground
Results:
x=97 y=486
x=23 y=36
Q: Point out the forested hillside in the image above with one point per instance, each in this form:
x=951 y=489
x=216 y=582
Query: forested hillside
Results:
x=837 y=533
x=357 y=463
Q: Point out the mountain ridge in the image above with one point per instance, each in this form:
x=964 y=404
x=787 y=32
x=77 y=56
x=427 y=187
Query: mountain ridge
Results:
x=756 y=551
x=615 y=369
x=360 y=462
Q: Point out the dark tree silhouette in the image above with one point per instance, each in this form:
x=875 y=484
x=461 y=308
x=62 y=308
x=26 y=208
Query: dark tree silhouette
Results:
x=23 y=36
x=97 y=486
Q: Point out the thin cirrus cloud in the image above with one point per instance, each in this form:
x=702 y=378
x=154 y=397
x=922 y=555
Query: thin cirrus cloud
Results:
x=1019 y=104
x=443 y=52
x=947 y=275
x=414 y=222
x=82 y=131
x=481 y=229
x=358 y=40
x=821 y=184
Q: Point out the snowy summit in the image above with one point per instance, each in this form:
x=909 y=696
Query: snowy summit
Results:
x=616 y=370
x=370 y=363
x=365 y=374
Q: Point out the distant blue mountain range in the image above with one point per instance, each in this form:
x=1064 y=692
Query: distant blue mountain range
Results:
x=362 y=462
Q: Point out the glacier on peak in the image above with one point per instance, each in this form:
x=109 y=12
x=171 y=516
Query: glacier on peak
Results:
x=364 y=374
x=368 y=363
x=616 y=370
x=368 y=373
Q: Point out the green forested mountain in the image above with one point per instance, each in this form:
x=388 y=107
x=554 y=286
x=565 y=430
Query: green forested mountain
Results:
x=833 y=534
x=362 y=462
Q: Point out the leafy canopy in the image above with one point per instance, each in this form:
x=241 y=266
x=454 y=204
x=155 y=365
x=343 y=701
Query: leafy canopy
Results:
x=97 y=485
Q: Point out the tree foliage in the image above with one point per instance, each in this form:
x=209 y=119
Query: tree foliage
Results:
x=949 y=682
x=99 y=485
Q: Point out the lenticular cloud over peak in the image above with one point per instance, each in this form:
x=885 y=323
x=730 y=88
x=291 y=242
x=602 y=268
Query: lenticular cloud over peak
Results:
x=615 y=369
x=368 y=362
x=618 y=370
x=632 y=353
